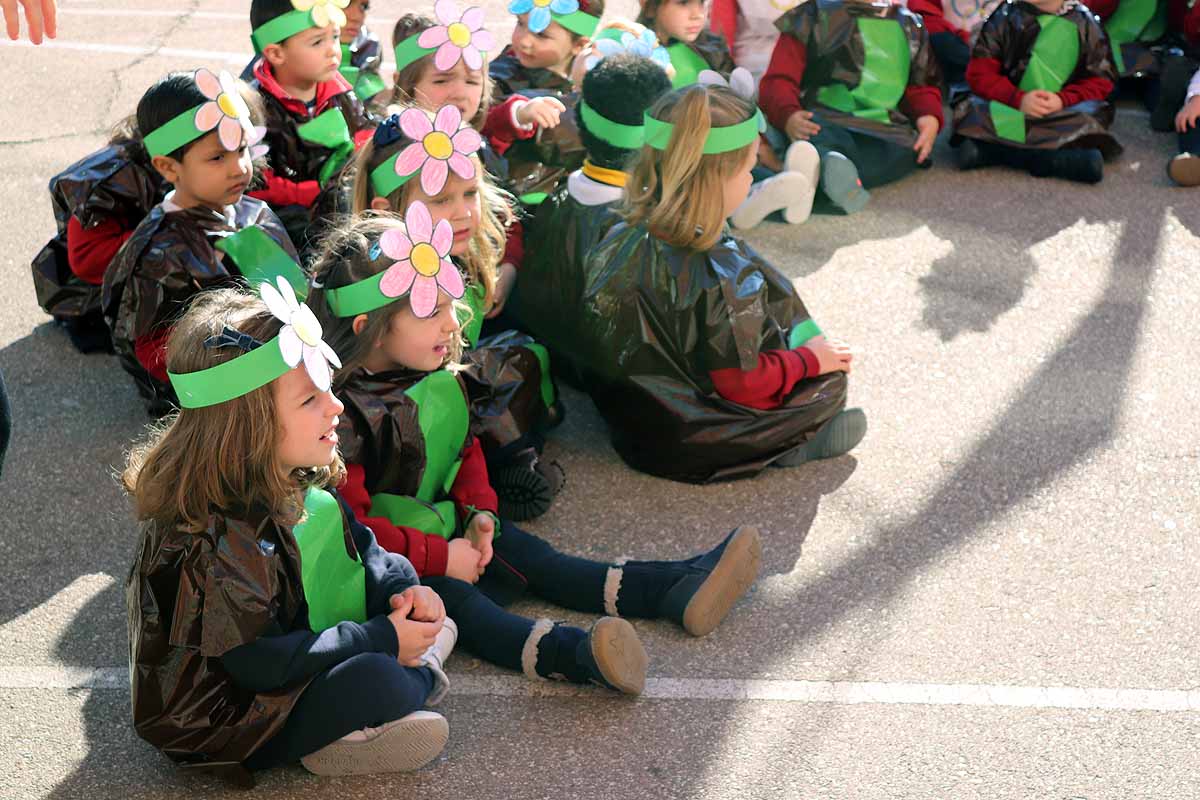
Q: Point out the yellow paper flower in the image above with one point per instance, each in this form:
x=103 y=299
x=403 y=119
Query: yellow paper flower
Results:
x=324 y=11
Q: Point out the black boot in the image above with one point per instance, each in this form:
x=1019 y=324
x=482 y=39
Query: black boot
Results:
x=1173 y=81
x=1082 y=166
x=969 y=156
x=609 y=655
x=526 y=485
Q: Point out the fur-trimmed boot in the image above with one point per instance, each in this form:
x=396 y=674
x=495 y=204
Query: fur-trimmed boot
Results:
x=609 y=655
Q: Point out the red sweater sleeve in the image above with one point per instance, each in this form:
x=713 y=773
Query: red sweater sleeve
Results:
x=428 y=552
x=987 y=81
x=766 y=386
x=722 y=19
x=151 y=352
x=1103 y=8
x=514 y=245
x=282 y=192
x=934 y=17
x=471 y=485
x=91 y=250
x=500 y=129
x=1090 y=88
x=779 y=90
x=923 y=101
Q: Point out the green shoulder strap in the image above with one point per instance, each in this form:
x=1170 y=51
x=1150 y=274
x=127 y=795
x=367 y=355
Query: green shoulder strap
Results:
x=547 y=384
x=1054 y=57
x=260 y=259
x=884 y=78
x=688 y=64
x=802 y=333
x=331 y=573
x=368 y=85
x=1127 y=24
x=329 y=130
x=474 y=301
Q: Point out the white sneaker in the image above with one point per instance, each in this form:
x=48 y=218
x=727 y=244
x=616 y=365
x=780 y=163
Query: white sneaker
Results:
x=435 y=658
x=789 y=191
x=401 y=746
x=803 y=158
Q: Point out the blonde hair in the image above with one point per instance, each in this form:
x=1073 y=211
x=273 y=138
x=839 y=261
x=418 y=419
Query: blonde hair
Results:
x=404 y=92
x=495 y=216
x=221 y=458
x=678 y=193
x=345 y=258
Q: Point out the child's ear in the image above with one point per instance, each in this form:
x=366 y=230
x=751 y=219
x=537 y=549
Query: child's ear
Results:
x=358 y=323
x=380 y=204
x=580 y=43
x=274 y=54
x=167 y=167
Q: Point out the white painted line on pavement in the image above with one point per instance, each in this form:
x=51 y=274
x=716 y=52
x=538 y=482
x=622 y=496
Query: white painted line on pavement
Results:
x=831 y=692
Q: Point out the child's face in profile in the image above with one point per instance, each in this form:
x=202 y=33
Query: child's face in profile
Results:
x=459 y=86
x=459 y=203
x=737 y=187
x=683 y=20
x=311 y=56
x=306 y=419
x=418 y=343
x=208 y=174
x=550 y=49
x=356 y=17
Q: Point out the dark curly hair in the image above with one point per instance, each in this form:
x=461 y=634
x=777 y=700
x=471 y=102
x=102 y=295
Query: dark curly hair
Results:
x=621 y=88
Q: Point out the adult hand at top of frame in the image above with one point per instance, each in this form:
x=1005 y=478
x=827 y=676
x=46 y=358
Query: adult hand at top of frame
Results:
x=40 y=15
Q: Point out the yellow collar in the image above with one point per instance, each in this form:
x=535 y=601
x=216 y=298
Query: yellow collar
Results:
x=613 y=177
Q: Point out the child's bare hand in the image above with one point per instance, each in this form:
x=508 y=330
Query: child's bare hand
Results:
x=927 y=131
x=480 y=533
x=1039 y=103
x=462 y=562
x=801 y=126
x=833 y=355
x=40 y=15
x=424 y=604
x=543 y=112
x=1188 y=115
x=413 y=638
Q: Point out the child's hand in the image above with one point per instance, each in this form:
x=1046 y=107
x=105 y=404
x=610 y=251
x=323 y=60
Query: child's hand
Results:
x=1039 y=103
x=927 y=131
x=480 y=533
x=833 y=355
x=1188 y=115
x=504 y=284
x=424 y=604
x=801 y=126
x=463 y=561
x=542 y=112
x=412 y=638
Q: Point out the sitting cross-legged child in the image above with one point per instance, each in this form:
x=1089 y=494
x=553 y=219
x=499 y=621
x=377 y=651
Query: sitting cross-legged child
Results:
x=1040 y=76
x=682 y=27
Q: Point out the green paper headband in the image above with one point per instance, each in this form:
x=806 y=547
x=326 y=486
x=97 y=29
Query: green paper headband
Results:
x=358 y=298
x=580 y=23
x=236 y=377
x=719 y=140
x=282 y=27
x=409 y=51
x=627 y=137
x=384 y=179
x=175 y=134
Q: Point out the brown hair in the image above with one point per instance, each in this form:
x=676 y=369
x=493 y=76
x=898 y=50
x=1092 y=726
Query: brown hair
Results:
x=345 y=258
x=487 y=245
x=221 y=458
x=404 y=92
x=678 y=193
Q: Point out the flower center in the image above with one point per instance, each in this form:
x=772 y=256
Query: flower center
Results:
x=438 y=145
x=460 y=35
x=425 y=259
x=307 y=328
x=542 y=3
x=225 y=103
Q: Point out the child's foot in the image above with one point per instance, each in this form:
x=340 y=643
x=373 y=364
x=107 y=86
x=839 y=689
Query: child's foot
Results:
x=969 y=155
x=401 y=746
x=841 y=184
x=701 y=599
x=804 y=159
x=836 y=437
x=435 y=658
x=614 y=655
x=526 y=486
x=788 y=191
x=1081 y=166
x=1184 y=169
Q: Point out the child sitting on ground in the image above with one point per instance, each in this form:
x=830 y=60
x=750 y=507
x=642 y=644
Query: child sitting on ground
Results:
x=859 y=81
x=1184 y=168
x=362 y=57
x=196 y=131
x=682 y=27
x=1040 y=75
x=953 y=26
x=266 y=626
x=701 y=357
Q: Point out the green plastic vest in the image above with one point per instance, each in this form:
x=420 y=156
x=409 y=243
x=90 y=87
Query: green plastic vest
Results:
x=444 y=419
x=1054 y=57
x=260 y=259
x=366 y=84
x=1134 y=21
x=332 y=575
x=687 y=63
x=474 y=301
x=884 y=76
x=329 y=130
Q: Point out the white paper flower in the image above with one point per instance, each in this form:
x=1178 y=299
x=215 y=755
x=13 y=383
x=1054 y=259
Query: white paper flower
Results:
x=300 y=337
x=741 y=81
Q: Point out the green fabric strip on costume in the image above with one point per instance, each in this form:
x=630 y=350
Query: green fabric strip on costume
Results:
x=688 y=64
x=439 y=519
x=368 y=85
x=473 y=299
x=1127 y=24
x=547 y=385
x=444 y=419
x=260 y=259
x=802 y=333
x=1055 y=55
x=884 y=77
x=350 y=73
x=335 y=585
x=329 y=130
x=1008 y=121
x=533 y=198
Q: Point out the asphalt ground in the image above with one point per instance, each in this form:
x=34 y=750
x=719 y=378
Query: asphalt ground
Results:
x=994 y=596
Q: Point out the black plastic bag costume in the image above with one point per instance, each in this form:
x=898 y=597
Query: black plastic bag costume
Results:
x=1062 y=49
x=655 y=320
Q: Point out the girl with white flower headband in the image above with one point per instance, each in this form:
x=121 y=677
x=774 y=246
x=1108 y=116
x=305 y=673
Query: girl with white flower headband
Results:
x=414 y=157
x=415 y=473
x=198 y=135
x=266 y=626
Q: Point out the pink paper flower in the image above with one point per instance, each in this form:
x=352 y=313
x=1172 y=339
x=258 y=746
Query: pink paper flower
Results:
x=457 y=36
x=437 y=147
x=423 y=265
x=225 y=110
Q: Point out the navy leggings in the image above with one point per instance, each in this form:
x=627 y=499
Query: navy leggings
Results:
x=878 y=161
x=953 y=54
x=364 y=691
x=1190 y=142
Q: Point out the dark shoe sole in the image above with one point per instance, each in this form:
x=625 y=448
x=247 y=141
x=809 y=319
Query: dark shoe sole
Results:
x=837 y=437
x=525 y=492
x=728 y=581
x=619 y=655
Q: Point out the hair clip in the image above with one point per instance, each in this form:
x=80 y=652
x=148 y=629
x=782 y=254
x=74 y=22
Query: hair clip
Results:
x=388 y=131
x=231 y=337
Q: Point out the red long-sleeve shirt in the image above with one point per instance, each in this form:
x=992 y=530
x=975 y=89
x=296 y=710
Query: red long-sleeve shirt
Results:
x=91 y=250
x=781 y=87
x=514 y=245
x=767 y=385
x=934 y=17
x=428 y=552
x=988 y=81
x=500 y=127
x=151 y=352
x=1185 y=18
